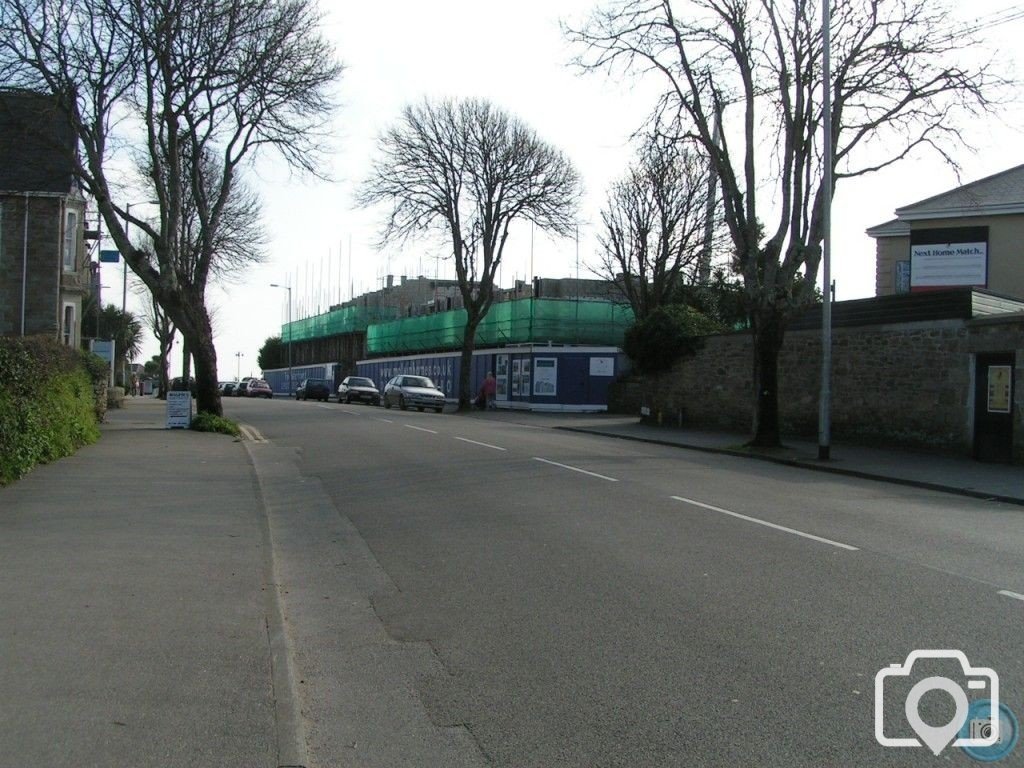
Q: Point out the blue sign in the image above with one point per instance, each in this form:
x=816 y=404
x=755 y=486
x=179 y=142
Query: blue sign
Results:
x=111 y=257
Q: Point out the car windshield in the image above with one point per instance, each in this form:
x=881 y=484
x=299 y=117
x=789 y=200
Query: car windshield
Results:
x=418 y=381
x=355 y=381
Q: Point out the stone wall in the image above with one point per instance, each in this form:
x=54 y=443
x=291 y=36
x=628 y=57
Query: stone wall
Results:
x=905 y=384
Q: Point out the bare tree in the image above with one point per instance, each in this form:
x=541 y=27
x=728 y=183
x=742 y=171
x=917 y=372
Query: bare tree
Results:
x=216 y=80
x=653 y=225
x=163 y=330
x=899 y=84
x=468 y=170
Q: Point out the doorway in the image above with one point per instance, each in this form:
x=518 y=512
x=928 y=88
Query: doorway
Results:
x=993 y=407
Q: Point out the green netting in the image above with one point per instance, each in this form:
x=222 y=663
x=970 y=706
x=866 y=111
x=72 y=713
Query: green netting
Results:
x=342 y=320
x=512 y=322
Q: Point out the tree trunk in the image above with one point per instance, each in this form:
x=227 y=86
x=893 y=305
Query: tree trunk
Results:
x=466 y=365
x=197 y=338
x=768 y=333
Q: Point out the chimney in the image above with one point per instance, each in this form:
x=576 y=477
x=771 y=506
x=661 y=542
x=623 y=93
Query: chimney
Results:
x=403 y=279
x=391 y=281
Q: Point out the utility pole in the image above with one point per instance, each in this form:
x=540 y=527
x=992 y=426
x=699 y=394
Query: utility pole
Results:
x=825 y=398
x=238 y=365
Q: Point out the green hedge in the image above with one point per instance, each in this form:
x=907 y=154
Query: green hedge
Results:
x=48 y=402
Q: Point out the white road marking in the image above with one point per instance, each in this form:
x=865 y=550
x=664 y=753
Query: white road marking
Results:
x=386 y=421
x=766 y=523
x=342 y=410
x=421 y=429
x=485 y=445
x=1014 y=595
x=576 y=469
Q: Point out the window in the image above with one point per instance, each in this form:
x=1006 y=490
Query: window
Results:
x=69 y=324
x=70 y=241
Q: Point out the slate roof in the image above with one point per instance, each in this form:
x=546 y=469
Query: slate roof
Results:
x=36 y=144
x=1002 y=192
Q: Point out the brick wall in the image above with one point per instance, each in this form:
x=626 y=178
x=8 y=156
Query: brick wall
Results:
x=906 y=384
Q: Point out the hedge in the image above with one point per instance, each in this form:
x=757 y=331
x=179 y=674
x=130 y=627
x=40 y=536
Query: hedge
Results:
x=49 y=402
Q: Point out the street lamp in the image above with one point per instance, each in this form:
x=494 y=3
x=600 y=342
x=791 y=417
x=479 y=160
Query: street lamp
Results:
x=238 y=365
x=124 y=284
x=288 y=288
x=825 y=398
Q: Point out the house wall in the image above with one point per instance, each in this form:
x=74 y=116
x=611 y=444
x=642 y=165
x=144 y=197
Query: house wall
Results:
x=43 y=276
x=1005 y=252
x=902 y=384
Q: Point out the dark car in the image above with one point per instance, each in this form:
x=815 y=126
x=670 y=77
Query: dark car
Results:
x=242 y=389
x=318 y=389
x=228 y=389
x=259 y=388
x=358 y=389
x=413 y=392
x=178 y=384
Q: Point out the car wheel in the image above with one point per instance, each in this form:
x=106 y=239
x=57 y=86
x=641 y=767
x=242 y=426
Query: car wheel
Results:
x=419 y=408
x=401 y=402
x=348 y=400
x=387 y=403
x=439 y=410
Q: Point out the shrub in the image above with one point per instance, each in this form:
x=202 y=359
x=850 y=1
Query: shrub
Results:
x=209 y=422
x=665 y=335
x=48 y=405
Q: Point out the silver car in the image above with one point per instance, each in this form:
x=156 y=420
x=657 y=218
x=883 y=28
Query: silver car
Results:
x=413 y=392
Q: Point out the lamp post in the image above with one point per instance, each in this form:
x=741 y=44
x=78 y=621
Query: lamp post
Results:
x=238 y=365
x=124 y=283
x=825 y=398
x=288 y=288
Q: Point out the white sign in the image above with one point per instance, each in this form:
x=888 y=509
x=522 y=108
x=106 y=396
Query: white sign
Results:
x=179 y=410
x=545 y=376
x=947 y=264
x=602 y=366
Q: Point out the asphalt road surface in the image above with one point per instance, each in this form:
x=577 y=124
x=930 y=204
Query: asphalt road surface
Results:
x=596 y=602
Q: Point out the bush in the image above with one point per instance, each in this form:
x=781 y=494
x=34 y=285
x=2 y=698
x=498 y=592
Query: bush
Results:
x=666 y=335
x=48 y=403
x=208 y=422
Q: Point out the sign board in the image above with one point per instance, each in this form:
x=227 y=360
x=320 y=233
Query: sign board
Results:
x=525 y=390
x=501 y=377
x=999 y=387
x=104 y=348
x=110 y=256
x=516 y=377
x=602 y=366
x=944 y=265
x=179 y=410
x=545 y=377
x=902 y=277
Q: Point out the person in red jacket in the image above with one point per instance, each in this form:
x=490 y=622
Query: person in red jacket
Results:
x=486 y=397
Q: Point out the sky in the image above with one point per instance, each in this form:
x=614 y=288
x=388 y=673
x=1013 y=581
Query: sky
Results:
x=514 y=54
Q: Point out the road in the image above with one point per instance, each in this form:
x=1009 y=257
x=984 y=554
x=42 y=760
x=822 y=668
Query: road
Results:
x=594 y=602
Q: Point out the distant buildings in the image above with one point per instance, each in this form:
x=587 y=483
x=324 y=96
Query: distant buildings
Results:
x=44 y=269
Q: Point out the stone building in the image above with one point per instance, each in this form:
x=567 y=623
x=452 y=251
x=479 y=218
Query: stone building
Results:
x=44 y=265
x=969 y=236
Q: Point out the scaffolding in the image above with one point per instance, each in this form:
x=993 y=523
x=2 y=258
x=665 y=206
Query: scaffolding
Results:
x=336 y=322
x=524 y=321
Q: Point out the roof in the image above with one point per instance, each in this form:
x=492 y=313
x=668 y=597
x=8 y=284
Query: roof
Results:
x=999 y=194
x=37 y=143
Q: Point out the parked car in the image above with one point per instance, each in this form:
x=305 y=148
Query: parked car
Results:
x=259 y=388
x=240 y=390
x=228 y=389
x=178 y=384
x=413 y=392
x=318 y=389
x=358 y=389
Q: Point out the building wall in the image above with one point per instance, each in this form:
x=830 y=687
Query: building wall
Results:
x=1005 y=252
x=889 y=250
x=48 y=288
x=906 y=384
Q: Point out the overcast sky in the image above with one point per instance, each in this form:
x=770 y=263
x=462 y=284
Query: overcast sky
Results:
x=513 y=54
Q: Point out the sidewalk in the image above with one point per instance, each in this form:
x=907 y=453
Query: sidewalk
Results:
x=939 y=472
x=132 y=611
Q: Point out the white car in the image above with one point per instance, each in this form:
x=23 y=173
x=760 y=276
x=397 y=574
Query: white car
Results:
x=416 y=392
